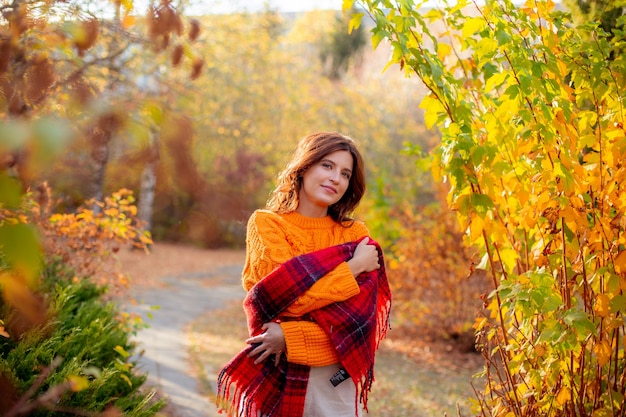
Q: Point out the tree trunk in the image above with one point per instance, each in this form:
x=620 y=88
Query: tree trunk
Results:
x=145 y=202
x=100 y=134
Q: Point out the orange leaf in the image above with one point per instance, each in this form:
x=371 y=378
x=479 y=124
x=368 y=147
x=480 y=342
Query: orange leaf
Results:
x=563 y=396
x=4 y=333
x=128 y=21
x=480 y=323
x=620 y=263
x=601 y=306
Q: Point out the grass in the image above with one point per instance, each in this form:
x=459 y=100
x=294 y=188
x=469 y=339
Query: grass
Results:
x=413 y=378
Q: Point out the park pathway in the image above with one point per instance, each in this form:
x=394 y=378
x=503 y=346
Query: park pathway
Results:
x=180 y=299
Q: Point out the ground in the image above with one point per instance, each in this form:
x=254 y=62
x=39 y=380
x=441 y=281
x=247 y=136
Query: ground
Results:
x=170 y=259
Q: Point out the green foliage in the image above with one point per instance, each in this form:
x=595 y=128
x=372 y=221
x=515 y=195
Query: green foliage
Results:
x=530 y=109
x=93 y=342
x=604 y=12
x=343 y=45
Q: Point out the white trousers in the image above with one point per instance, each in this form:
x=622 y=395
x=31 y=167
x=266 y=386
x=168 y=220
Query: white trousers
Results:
x=325 y=400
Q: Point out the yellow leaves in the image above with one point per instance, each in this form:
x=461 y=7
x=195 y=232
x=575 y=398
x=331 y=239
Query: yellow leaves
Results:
x=496 y=80
x=433 y=109
x=119 y=349
x=84 y=240
x=347 y=5
x=563 y=69
x=78 y=383
x=154 y=111
x=443 y=50
x=613 y=322
x=562 y=172
x=603 y=351
x=615 y=146
x=473 y=25
x=127 y=379
x=509 y=258
x=112 y=212
x=355 y=22
x=476 y=228
x=586 y=119
x=558 y=193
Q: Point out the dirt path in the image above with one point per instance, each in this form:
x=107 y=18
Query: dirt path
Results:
x=171 y=287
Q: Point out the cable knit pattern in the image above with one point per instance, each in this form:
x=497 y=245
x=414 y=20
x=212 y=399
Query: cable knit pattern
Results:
x=273 y=239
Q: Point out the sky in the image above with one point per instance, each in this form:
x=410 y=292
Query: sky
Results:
x=229 y=6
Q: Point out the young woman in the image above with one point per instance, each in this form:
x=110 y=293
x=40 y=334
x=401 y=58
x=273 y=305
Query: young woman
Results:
x=318 y=299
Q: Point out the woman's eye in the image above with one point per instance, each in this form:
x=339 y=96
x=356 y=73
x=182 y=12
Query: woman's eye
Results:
x=346 y=175
x=326 y=165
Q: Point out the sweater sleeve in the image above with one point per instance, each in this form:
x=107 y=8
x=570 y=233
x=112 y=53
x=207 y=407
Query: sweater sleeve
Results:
x=267 y=247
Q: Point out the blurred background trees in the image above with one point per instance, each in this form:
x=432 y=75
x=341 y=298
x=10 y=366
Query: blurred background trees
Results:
x=203 y=155
x=67 y=92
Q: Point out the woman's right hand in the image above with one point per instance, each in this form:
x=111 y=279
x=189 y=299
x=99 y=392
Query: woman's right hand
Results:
x=364 y=259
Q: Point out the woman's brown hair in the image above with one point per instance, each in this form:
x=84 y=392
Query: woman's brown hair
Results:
x=310 y=150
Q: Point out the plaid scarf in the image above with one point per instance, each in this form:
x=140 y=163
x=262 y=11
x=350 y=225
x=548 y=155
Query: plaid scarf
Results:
x=355 y=326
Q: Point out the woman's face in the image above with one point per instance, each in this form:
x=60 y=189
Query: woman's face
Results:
x=324 y=183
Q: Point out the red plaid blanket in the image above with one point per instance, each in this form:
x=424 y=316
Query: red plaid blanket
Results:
x=355 y=326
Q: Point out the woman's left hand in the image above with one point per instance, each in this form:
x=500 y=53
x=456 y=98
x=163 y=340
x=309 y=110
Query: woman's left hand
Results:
x=271 y=342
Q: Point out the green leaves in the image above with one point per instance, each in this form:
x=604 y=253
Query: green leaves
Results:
x=20 y=247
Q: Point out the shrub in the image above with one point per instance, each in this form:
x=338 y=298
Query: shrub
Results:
x=436 y=291
x=92 y=341
x=530 y=107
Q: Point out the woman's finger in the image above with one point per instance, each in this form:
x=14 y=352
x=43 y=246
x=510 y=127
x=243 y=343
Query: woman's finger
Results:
x=277 y=357
x=262 y=357
x=257 y=350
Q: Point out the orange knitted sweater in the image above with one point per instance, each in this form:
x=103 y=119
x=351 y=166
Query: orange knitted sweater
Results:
x=275 y=238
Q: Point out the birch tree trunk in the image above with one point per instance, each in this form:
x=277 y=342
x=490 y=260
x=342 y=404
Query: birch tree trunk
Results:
x=147 y=187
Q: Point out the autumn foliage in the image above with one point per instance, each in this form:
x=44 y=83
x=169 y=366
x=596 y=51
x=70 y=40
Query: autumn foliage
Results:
x=531 y=112
x=437 y=292
x=83 y=241
x=56 y=64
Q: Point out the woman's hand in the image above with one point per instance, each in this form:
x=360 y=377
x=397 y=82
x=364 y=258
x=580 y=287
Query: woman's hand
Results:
x=365 y=258
x=271 y=342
